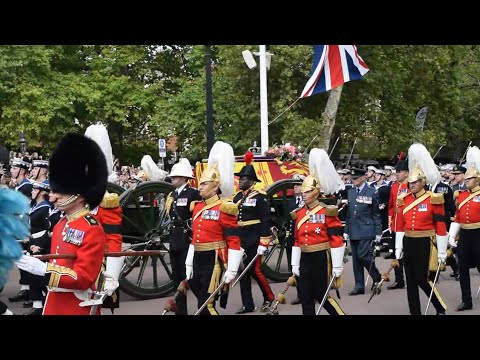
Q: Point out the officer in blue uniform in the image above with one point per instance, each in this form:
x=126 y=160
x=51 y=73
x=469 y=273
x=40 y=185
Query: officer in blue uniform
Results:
x=363 y=226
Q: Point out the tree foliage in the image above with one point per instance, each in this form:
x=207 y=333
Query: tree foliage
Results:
x=145 y=92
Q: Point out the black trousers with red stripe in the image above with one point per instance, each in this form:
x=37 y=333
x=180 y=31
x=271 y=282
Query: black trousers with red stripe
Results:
x=256 y=273
x=203 y=266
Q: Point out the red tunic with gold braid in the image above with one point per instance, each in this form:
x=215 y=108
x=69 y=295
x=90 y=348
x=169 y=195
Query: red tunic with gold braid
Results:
x=109 y=215
x=84 y=238
x=397 y=190
x=469 y=213
x=214 y=221
x=427 y=215
x=318 y=228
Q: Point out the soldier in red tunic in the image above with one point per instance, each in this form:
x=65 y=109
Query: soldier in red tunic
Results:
x=467 y=225
x=78 y=180
x=317 y=254
x=215 y=246
x=421 y=237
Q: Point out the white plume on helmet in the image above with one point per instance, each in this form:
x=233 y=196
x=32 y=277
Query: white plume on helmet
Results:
x=99 y=134
x=321 y=166
x=473 y=157
x=154 y=173
x=221 y=155
x=418 y=155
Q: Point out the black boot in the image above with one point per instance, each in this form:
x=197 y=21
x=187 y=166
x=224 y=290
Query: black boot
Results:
x=34 y=311
x=23 y=295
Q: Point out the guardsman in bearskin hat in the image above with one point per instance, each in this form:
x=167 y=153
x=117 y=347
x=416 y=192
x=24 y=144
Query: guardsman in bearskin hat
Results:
x=180 y=235
x=255 y=231
x=317 y=254
x=19 y=171
x=215 y=246
x=78 y=181
x=421 y=236
x=109 y=215
x=466 y=227
x=399 y=187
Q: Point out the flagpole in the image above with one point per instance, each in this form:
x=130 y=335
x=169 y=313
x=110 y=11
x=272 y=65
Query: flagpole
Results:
x=284 y=111
x=263 y=99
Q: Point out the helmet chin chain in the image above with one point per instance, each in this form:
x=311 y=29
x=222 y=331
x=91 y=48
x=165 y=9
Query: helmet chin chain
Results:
x=70 y=200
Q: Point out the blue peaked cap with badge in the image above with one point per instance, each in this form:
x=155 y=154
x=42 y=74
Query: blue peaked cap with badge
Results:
x=356 y=173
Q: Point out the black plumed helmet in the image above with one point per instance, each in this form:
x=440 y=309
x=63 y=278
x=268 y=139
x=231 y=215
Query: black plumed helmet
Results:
x=248 y=170
x=78 y=166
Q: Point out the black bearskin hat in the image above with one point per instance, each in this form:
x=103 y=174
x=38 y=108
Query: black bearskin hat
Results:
x=401 y=165
x=78 y=166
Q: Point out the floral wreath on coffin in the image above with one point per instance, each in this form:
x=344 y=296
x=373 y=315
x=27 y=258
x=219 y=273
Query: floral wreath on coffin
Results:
x=285 y=152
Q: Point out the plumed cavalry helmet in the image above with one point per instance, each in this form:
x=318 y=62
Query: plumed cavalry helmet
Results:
x=221 y=161
x=78 y=166
x=421 y=165
x=473 y=163
x=323 y=176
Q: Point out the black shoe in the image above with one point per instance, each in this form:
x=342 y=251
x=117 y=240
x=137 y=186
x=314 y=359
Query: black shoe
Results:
x=243 y=310
x=453 y=274
x=457 y=277
x=441 y=312
x=266 y=306
x=396 y=285
x=464 y=306
x=356 y=292
x=389 y=256
x=296 y=301
x=27 y=304
x=23 y=295
x=34 y=311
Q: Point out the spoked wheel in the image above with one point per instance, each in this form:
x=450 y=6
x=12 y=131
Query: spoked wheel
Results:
x=144 y=227
x=275 y=265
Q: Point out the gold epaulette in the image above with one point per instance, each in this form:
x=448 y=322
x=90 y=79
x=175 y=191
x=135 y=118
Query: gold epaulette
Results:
x=193 y=203
x=110 y=201
x=331 y=210
x=456 y=193
x=229 y=208
x=293 y=214
x=261 y=192
x=56 y=272
x=436 y=198
x=169 y=202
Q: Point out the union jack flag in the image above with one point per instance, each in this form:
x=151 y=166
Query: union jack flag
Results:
x=333 y=65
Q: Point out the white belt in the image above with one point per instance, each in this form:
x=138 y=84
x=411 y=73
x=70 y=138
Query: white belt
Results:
x=38 y=234
x=84 y=295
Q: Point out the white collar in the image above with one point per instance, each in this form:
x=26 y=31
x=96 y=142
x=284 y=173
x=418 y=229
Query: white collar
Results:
x=180 y=189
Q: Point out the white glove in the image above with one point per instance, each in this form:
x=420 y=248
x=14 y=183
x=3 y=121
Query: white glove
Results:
x=189 y=262
x=442 y=242
x=114 y=267
x=234 y=259
x=378 y=239
x=346 y=237
x=32 y=265
x=399 y=245
x=261 y=249
x=296 y=254
x=452 y=233
x=110 y=284
x=337 y=260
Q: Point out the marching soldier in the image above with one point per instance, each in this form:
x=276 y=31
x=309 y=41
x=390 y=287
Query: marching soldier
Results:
x=363 y=228
x=294 y=204
x=390 y=177
x=467 y=225
x=215 y=243
x=19 y=171
x=180 y=236
x=39 y=242
x=317 y=254
x=400 y=187
x=421 y=237
x=254 y=230
x=39 y=171
x=370 y=175
x=78 y=181
x=383 y=190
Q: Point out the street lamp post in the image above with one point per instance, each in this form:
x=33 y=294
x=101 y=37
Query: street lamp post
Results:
x=22 y=141
x=265 y=58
